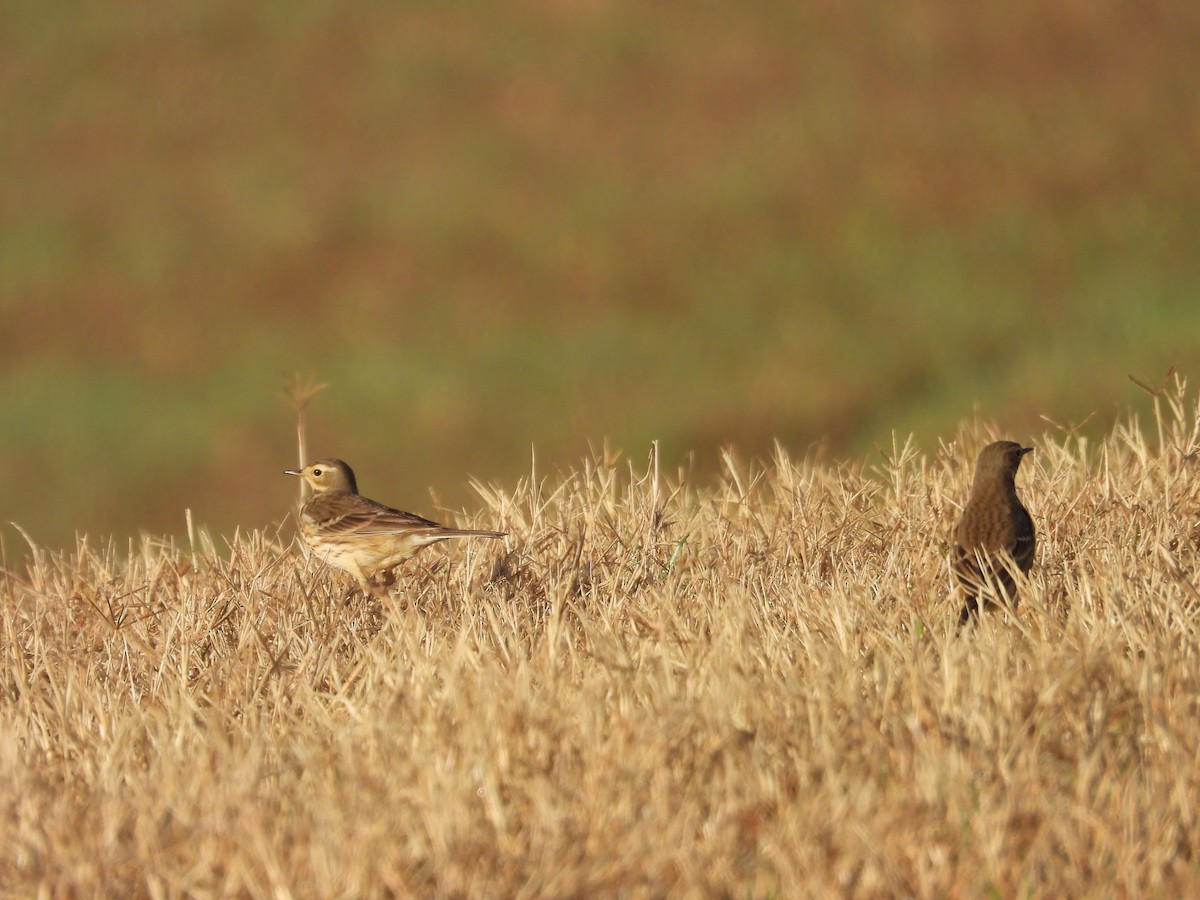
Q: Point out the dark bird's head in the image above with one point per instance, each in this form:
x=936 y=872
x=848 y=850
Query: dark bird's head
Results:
x=998 y=463
x=327 y=475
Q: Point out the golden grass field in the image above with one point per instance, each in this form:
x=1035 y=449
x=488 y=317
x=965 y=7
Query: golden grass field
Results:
x=745 y=687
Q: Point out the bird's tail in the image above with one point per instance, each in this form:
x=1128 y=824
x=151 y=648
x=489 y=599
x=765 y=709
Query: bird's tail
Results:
x=970 y=610
x=467 y=532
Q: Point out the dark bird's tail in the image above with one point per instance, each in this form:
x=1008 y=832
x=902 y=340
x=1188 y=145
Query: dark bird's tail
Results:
x=970 y=611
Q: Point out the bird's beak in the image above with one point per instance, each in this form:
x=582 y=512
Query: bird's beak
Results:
x=1024 y=450
x=298 y=472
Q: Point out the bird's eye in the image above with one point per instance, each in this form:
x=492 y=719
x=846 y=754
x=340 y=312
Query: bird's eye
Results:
x=316 y=473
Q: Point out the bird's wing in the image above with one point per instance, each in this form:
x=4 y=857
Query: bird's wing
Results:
x=364 y=516
x=1024 y=541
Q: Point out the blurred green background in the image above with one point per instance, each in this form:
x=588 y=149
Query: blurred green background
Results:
x=490 y=226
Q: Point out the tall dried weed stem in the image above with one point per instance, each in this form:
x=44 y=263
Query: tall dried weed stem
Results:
x=748 y=688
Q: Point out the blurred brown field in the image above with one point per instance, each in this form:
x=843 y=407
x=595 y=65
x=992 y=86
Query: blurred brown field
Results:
x=500 y=227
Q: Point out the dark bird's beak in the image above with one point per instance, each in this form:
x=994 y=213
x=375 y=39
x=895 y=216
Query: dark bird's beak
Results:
x=1024 y=450
x=298 y=472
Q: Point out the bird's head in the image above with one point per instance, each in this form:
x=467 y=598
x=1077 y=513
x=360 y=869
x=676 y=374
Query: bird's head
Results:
x=1000 y=460
x=327 y=475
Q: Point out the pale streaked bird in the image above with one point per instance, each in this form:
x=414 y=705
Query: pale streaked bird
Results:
x=995 y=537
x=358 y=535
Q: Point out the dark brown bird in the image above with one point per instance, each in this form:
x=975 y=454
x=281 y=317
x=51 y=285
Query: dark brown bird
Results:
x=358 y=535
x=995 y=536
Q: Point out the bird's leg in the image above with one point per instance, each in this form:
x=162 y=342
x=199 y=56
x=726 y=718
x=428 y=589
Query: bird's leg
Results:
x=363 y=582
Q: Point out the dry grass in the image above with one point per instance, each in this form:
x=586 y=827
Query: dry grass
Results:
x=750 y=688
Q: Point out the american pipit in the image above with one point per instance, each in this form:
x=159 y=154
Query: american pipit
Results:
x=358 y=535
x=995 y=536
